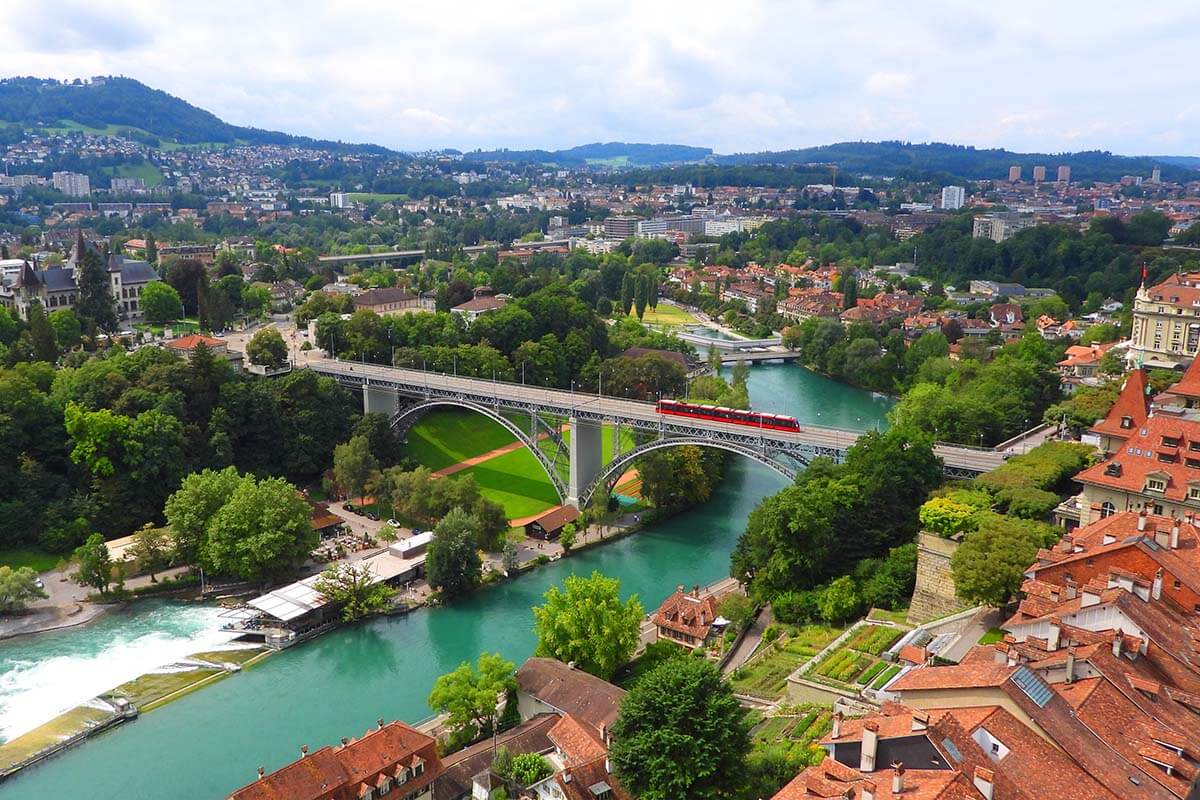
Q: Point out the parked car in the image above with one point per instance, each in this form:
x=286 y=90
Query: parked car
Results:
x=395 y=523
x=371 y=516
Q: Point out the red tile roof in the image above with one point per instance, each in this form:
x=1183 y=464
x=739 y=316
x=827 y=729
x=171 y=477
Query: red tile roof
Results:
x=1189 y=384
x=1133 y=403
x=686 y=614
x=1146 y=453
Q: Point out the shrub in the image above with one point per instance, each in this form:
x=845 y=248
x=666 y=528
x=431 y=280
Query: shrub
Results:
x=1027 y=502
x=796 y=608
x=1046 y=467
x=529 y=768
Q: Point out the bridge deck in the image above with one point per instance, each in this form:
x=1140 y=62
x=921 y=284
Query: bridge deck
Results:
x=590 y=406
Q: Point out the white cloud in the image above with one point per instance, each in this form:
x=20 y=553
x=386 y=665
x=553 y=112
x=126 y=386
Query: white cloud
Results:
x=888 y=83
x=543 y=73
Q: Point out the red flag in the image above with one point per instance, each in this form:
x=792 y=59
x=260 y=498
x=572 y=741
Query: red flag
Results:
x=1143 y=273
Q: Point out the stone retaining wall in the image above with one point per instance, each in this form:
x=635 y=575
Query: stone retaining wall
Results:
x=934 y=595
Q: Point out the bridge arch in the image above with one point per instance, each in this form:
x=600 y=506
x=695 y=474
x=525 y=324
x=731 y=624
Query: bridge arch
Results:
x=406 y=417
x=613 y=470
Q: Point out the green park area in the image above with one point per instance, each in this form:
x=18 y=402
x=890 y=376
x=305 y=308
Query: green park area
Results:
x=446 y=437
x=667 y=314
x=375 y=197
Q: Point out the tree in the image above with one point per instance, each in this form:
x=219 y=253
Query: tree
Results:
x=529 y=768
x=587 y=623
x=567 y=537
x=680 y=733
x=95 y=567
x=45 y=346
x=989 y=566
x=839 y=601
x=190 y=279
x=947 y=515
x=193 y=505
x=267 y=348
x=470 y=698
x=850 y=289
x=161 y=302
x=452 y=563
x=152 y=548
x=262 y=531
x=17 y=587
x=151 y=249
x=737 y=608
x=67 y=330
x=95 y=298
x=354 y=466
x=354 y=588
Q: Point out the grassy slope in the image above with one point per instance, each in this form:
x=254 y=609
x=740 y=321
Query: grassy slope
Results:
x=667 y=315
x=517 y=481
x=446 y=437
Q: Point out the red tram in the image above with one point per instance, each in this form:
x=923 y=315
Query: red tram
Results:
x=737 y=416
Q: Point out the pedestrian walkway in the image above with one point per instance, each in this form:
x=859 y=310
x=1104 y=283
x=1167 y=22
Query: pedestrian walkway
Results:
x=750 y=641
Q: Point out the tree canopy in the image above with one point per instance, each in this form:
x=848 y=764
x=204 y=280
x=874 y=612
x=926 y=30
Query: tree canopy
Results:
x=587 y=623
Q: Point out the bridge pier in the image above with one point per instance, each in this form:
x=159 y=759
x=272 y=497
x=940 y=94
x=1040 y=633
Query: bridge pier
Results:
x=380 y=400
x=587 y=457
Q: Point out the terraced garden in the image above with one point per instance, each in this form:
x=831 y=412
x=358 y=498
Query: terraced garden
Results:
x=793 y=732
x=856 y=663
x=766 y=675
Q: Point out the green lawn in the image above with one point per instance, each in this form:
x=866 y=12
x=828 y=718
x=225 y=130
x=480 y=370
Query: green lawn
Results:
x=39 y=560
x=992 y=636
x=517 y=481
x=146 y=171
x=376 y=197
x=667 y=315
x=445 y=437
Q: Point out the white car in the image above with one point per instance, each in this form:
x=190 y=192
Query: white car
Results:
x=394 y=523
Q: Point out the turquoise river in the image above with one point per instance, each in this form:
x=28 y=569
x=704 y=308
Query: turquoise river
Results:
x=210 y=742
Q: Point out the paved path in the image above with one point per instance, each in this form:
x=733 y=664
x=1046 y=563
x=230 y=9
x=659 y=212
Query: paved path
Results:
x=750 y=641
x=970 y=635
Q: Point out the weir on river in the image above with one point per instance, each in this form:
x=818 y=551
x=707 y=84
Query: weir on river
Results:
x=212 y=741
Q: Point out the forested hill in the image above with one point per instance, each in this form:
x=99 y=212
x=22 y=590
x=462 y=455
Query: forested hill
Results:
x=606 y=154
x=905 y=158
x=110 y=103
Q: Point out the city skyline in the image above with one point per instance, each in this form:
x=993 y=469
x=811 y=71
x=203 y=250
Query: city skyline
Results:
x=758 y=76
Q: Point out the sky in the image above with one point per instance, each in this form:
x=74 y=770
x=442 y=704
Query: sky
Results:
x=736 y=76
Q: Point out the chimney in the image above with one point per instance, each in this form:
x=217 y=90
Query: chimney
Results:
x=1156 y=587
x=380 y=721
x=1117 y=642
x=679 y=588
x=1142 y=520
x=303 y=750
x=836 y=733
x=868 y=790
x=1054 y=635
x=604 y=734
x=1072 y=589
x=983 y=782
x=261 y=772
x=870 y=743
x=920 y=720
x=695 y=590
x=1071 y=664
x=1174 y=542
x=345 y=741
x=566 y=776
x=897 y=777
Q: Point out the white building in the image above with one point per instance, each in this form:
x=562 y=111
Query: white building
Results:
x=72 y=184
x=339 y=200
x=953 y=197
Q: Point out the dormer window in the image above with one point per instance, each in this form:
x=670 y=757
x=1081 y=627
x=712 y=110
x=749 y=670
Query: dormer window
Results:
x=1156 y=485
x=1170 y=441
x=1126 y=422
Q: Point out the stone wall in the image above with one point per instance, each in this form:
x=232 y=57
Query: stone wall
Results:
x=934 y=595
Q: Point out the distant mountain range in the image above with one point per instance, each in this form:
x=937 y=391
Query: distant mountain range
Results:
x=112 y=104
x=155 y=117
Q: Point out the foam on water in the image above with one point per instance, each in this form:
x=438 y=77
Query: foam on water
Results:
x=44 y=676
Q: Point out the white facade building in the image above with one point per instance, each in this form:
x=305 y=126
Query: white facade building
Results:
x=72 y=184
x=953 y=197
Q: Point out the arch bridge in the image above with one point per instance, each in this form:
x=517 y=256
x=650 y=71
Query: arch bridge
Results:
x=577 y=463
